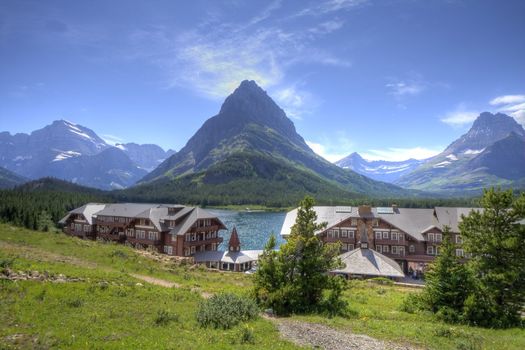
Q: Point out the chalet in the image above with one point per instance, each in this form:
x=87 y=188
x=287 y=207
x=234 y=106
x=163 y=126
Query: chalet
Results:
x=409 y=236
x=234 y=259
x=170 y=229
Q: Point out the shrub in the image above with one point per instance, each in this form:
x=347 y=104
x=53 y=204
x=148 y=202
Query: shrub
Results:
x=448 y=315
x=6 y=263
x=246 y=335
x=75 y=302
x=164 y=317
x=226 y=310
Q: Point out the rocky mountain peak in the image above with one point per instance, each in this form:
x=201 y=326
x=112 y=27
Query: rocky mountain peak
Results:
x=486 y=129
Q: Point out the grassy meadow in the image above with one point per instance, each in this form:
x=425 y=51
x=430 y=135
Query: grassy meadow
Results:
x=111 y=309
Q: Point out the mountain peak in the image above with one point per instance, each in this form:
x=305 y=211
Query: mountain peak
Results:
x=487 y=119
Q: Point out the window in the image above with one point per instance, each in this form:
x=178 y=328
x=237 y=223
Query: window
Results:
x=386 y=248
x=460 y=252
x=186 y=251
x=350 y=247
x=431 y=237
x=438 y=237
x=375 y=222
x=378 y=234
x=188 y=237
x=78 y=227
x=459 y=239
x=395 y=236
x=412 y=248
x=141 y=234
x=344 y=233
x=351 y=234
x=385 y=234
x=168 y=249
x=87 y=228
x=153 y=236
x=353 y=222
x=192 y=250
x=431 y=250
x=379 y=248
x=401 y=250
x=394 y=250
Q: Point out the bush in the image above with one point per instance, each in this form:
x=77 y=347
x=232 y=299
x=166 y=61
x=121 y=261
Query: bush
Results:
x=226 y=310
x=164 y=317
x=448 y=315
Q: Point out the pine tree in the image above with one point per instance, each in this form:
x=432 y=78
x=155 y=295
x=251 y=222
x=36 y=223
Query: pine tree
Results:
x=448 y=282
x=495 y=238
x=294 y=279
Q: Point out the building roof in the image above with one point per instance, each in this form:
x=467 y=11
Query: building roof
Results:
x=368 y=262
x=413 y=221
x=86 y=210
x=234 y=239
x=160 y=215
x=240 y=257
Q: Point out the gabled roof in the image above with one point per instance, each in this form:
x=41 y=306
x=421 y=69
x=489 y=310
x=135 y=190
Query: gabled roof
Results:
x=190 y=217
x=240 y=257
x=86 y=210
x=368 y=262
x=125 y=209
x=331 y=215
x=234 y=239
x=413 y=221
x=451 y=217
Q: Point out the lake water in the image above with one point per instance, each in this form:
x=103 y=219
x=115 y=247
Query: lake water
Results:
x=254 y=228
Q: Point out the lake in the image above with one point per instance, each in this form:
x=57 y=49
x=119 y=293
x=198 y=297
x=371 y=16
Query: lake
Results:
x=254 y=228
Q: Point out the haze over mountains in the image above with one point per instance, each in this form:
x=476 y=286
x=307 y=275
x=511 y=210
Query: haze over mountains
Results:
x=250 y=151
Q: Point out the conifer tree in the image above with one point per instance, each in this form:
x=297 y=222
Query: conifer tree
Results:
x=495 y=237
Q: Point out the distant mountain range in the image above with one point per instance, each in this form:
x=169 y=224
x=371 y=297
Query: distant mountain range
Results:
x=380 y=170
x=72 y=152
x=491 y=153
x=251 y=151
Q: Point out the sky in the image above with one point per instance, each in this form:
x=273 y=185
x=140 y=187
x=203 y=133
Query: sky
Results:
x=389 y=79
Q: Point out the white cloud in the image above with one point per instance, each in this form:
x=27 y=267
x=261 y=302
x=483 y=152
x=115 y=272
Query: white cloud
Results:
x=216 y=55
x=507 y=99
x=399 y=154
x=402 y=88
x=511 y=104
x=323 y=7
x=333 y=148
x=460 y=116
x=112 y=139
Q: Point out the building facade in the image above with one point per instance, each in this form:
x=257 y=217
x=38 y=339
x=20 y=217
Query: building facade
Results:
x=410 y=236
x=170 y=229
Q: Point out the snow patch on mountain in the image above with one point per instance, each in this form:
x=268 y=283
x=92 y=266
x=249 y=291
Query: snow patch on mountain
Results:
x=442 y=164
x=65 y=155
x=473 y=151
x=452 y=157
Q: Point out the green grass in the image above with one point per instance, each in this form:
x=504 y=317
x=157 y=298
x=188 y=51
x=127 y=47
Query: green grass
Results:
x=109 y=310
x=377 y=312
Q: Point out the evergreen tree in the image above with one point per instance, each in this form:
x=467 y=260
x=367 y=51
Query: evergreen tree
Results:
x=495 y=238
x=294 y=279
x=448 y=282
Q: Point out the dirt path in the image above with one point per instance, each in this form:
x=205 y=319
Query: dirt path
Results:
x=155 y=281
x=322 y=337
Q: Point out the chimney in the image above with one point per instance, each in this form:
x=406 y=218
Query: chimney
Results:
x=363 y=237
x=365 y=210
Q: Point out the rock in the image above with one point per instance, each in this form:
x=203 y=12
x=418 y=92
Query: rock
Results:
x=138 y=284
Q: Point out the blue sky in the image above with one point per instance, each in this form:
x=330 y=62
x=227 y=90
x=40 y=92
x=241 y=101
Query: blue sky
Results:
x=389 y=79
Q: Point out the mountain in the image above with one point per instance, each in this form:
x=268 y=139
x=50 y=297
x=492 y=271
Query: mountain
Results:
x=107 y=170
x=72 y=152
x=380 y=170
x=8 y=179
x=475 y=160
x=251 y=142
x=147 y=156
x=30 y=155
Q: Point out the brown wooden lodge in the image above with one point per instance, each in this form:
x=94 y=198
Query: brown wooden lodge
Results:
x=170 y=229
x=410 y=236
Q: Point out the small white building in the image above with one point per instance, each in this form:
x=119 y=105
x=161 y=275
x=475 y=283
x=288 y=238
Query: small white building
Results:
x=234 y=259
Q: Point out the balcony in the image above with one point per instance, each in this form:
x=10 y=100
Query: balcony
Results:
x=217 y=240
x=212 y=228
x=339 y=239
